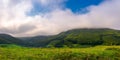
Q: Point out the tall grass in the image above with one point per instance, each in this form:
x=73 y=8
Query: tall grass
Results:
x=92 y=53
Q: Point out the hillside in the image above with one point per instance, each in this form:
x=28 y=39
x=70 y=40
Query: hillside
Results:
x=70 y=38
x=37 y=41
x=8 y=39
x=92 y=37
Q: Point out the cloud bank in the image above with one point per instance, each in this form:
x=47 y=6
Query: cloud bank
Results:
x=15 y=21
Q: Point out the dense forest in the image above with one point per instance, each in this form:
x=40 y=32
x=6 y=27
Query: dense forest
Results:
x=71 y=38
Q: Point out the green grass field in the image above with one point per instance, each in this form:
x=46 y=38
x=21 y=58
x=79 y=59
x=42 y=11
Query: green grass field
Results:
x=92 y=53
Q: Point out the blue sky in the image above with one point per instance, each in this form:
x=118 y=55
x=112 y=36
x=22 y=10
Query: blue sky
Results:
x=77 y=5
x=74 y=5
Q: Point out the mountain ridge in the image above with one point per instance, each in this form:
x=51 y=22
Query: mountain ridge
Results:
x=84 y=36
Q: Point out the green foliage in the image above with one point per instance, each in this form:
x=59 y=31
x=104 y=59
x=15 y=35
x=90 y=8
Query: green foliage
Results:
x=92 y=53
x=88 y=37
x=71 y=38
x=113 y=48
x=7 y=39
x=9 y=46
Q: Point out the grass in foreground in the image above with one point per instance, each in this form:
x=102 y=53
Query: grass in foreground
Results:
x=92 y=53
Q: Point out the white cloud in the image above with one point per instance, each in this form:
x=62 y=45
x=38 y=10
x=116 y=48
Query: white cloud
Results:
x=48 y=2
x=13 y=18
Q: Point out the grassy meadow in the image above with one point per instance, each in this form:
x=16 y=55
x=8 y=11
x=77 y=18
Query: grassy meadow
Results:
x=92 y=53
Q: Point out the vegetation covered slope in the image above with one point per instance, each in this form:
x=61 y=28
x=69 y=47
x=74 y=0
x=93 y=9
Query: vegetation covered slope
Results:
x=92 y=37
x=70 y=38
x=8 y=39
x=37 y=41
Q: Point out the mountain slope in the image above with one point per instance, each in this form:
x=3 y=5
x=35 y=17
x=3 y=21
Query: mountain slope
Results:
x=37 y=41
x=76 y=37
x=8 y=39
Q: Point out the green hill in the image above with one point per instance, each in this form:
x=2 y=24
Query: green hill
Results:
x=91 y=37
x=8 y=39
x=37 y=41
x=71 y=38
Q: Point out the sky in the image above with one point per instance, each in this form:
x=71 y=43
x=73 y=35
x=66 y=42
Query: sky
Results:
x=22 y=18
